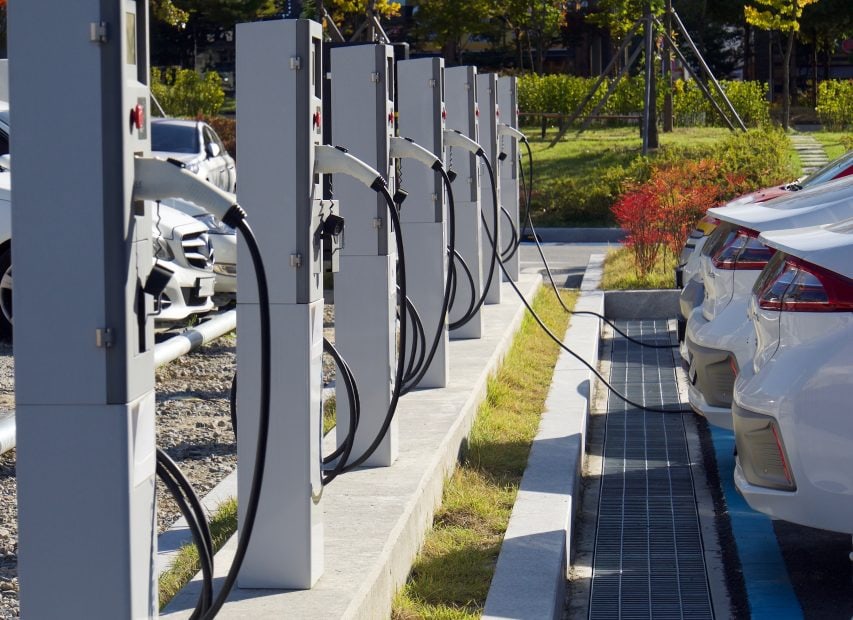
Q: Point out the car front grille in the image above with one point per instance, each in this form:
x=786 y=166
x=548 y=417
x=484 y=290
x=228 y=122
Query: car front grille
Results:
x=198 y=251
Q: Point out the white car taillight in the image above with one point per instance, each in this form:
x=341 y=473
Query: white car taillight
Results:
x=795 y=285
x=742 y=250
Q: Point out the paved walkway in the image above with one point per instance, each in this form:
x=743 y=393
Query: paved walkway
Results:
x=811 y=152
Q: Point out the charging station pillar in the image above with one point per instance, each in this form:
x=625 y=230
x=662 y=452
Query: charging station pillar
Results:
x=362 y=120
x=508 y=106
x=420 y=104
x=84 y=376
x=462 y=115
x=487 y=98
x=279 y=124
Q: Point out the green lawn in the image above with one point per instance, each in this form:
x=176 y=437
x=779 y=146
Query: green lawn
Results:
x=620 y=272
x=584 y=155
x=834 y=142
x=452 y=574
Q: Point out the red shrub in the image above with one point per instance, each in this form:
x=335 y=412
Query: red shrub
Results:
x=663 y=210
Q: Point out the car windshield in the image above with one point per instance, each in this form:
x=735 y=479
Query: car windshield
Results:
x=833 y=169
x=175 y=138
x=4 y=117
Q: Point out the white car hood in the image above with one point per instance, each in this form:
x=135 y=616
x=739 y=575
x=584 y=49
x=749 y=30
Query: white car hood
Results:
x=185 y=158
x=826 y=203
x=829 y=246
x=5 y=185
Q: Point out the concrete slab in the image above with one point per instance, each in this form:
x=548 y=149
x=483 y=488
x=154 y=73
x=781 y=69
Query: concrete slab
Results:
x=375 y=518
x=653 y=304
x=530 y=577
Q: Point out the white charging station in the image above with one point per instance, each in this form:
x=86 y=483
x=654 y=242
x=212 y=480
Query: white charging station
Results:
x=420 y=105
x=463 y=115
x=508 y=106
x=362 y=104
x=280 y=125
x=85 y=385
x=487 y=99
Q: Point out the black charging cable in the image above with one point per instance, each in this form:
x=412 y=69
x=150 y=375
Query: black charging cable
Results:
x=553 y=337
x=344 y=449
x=412 y=380
x=495 y=253
x=190 y=507
x=235 y=217
x=343 y=466
x=528 y=192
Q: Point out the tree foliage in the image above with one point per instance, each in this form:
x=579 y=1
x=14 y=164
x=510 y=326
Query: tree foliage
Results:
x=784 y=16
x=781 y=15
x=168 y=13
x=618 y=16
x=449 y=22
x=224 y=13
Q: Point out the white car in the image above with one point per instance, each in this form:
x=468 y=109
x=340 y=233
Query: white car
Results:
x=687 y=274
x=792 y=421
x=197 y=146
x=223 y=240
x=181 y=244
x=718 y=339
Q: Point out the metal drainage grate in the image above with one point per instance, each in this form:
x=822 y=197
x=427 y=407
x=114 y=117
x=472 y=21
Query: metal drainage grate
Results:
x=648 y=560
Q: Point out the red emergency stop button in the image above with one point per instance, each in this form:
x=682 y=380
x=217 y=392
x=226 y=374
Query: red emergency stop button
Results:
x=477 y=111
x=391 y=119
x=443 y=113
x=317 y=119
x=137 y=116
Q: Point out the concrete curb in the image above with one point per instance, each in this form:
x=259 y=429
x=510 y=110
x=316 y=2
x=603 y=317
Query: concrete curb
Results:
x=530 y=577
x=633 y=305
x=375 y=519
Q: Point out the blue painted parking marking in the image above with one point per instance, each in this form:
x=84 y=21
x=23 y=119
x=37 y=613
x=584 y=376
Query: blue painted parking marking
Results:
x=767 y=585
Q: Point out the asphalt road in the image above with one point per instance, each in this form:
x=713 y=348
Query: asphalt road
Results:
x=567 y=260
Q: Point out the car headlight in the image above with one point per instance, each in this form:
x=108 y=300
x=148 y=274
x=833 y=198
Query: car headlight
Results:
x=215 y=225
x=193 y=167
x=162 y=249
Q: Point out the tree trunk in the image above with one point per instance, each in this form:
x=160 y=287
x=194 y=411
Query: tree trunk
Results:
x=814 y=69
x=748 y=55
x=667 y=70
x=786 y=82
x=518 y=49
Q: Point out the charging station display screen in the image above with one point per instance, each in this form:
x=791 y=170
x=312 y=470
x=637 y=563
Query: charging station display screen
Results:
x=130 y=38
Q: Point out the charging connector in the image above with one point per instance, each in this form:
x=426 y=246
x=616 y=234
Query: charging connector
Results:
x=511 y=132
x=335 y=159
x=407 y=148
x=159 y=179
x=455 y=138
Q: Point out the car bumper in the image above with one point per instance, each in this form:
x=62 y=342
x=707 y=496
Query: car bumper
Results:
x=803 y=503
x=691 y=297
x=188 y=292
x=711 y=377
x=716 y=416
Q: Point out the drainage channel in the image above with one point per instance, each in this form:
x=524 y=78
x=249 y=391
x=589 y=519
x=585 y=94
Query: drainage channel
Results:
x=648 y=559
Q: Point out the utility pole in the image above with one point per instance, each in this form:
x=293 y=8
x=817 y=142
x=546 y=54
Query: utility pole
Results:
x=649 y=120
x=667 y=69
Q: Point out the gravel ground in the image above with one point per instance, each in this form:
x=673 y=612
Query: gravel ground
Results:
x=193 y=426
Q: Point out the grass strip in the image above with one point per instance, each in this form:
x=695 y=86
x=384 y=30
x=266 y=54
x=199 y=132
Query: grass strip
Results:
x=451 y=576
x=223 y=524
x=620 y=272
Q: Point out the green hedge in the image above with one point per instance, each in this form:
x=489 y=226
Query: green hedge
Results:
x=183 y=92
x=563 y=94
x=835 y=103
